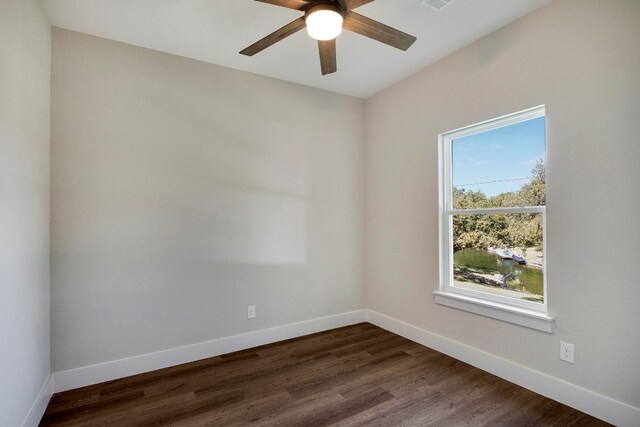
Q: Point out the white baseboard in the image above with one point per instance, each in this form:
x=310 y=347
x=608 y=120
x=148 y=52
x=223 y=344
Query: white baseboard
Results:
x=40 y=405
x=94 y=374
x=584 y=400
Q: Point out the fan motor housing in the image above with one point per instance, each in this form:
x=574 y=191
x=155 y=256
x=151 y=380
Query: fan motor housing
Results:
x=323 y=5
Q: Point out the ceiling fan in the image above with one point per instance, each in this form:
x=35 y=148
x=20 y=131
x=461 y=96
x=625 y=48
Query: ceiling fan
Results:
x=325 y=20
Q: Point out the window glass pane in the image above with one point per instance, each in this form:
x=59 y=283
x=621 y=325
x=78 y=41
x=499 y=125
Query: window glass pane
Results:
x=499 y=254
x=502 y=167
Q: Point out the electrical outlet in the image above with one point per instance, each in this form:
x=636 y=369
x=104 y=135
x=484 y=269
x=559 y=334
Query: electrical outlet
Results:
x=251 y=312
x=566 y=352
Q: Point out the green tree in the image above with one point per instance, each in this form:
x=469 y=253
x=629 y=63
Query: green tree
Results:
x=498 y=230
x=534 y=193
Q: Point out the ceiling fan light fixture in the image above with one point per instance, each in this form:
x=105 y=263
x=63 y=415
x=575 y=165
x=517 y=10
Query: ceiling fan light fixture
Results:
x=324 y=22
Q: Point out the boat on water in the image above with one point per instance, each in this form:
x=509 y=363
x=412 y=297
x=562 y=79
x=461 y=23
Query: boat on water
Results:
x=518 y=258
x=503 y=253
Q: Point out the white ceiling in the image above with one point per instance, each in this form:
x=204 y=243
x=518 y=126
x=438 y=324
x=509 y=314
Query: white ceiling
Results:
x=216 y=30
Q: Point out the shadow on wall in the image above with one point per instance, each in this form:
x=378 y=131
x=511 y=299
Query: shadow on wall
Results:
x=245 y=226
x=219 y=225
x=195 y=185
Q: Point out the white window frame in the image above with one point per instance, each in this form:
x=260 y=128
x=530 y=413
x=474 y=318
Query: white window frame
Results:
x=521 y=312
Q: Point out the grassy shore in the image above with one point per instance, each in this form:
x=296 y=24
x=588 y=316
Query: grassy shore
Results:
x=491 y=282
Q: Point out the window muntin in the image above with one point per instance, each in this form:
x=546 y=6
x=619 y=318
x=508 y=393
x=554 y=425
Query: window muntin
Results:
x=493 y=207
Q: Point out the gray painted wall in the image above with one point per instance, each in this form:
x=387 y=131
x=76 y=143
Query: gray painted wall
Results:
x=581 y=59
x=25 y=58
x=184 y=191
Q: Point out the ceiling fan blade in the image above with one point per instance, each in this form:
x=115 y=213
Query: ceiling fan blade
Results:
x=377 y=31
x=352 y=4
x=275 y=37
x=289 y=4
x=328 y=62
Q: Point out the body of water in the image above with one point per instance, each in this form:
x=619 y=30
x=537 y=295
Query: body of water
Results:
x=530 y=278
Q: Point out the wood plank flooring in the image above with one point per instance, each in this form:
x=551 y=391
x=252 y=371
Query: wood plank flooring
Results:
x=359 y=375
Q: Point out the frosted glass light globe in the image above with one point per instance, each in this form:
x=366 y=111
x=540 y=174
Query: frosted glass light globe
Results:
x=324 y=24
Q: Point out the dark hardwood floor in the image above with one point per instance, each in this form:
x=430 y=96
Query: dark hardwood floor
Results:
x=352 y=376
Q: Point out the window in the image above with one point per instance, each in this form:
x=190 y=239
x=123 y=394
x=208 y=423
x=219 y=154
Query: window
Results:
x=492 y=215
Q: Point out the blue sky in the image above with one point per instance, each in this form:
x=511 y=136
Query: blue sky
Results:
x=506 y=154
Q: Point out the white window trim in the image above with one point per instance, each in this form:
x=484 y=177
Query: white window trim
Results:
x=524 y=313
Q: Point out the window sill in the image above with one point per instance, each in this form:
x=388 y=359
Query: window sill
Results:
x=519 y=316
